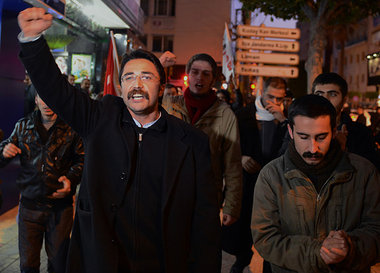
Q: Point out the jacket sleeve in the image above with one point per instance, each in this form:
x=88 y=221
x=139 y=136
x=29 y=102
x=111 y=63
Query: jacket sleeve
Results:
x=365 y=239
x=74 y=107
x=12 y=139
x=75 y=172
x=232 y=165
x=206 y=228
x=293 y=252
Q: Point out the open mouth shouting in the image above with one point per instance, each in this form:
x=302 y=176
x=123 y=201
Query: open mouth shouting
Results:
x=138 y=95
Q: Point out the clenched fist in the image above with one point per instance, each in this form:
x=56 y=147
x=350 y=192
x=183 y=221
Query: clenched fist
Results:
x=34 y=21
x=10 y=150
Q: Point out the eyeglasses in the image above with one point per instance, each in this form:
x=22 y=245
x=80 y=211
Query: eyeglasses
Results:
x=145 y=78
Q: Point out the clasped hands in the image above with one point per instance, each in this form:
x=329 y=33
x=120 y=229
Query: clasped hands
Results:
x=335 y=247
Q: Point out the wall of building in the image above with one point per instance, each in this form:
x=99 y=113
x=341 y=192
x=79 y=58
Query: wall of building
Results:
x=197 y=26
x=360 y=43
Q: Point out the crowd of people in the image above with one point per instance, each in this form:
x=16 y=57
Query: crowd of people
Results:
x=168 y=181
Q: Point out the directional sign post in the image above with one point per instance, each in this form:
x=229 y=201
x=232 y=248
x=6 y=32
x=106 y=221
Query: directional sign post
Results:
x=271 y=32
x=255 y=50
x=268 y=71
x=284 y=46
x=270 y=58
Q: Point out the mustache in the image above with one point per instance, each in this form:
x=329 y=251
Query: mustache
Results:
x=312 y=155
x=137 y=92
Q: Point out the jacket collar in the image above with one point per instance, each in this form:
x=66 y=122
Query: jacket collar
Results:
x=342 y=173
x=160 y=125
x=214 y=110
x=35 y=117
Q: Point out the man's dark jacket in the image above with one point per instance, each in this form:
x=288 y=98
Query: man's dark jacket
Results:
x=360 y=140
x=237 y=237
x=43 y=163
x=190 y=224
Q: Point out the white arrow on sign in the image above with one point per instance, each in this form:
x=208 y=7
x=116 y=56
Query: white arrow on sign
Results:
x=285 y=46
x=270 y=58
x=272 y=32
x=268 y=71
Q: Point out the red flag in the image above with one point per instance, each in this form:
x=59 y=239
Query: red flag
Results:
x=111 y=79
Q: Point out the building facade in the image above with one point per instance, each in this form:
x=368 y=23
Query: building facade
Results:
x=185 y=28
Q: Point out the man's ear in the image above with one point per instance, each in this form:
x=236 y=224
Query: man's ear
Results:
x=290 y=131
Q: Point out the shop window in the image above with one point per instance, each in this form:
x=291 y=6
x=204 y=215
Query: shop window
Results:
x=162 y=43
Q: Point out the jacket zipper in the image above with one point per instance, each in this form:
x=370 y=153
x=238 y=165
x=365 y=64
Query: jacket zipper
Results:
x=317 y=207
x=140 y=138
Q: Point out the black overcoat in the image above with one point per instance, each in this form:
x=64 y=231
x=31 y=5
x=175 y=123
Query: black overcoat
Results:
x=190 y=224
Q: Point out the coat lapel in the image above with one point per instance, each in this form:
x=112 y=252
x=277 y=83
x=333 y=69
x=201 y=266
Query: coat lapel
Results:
x=176 y=152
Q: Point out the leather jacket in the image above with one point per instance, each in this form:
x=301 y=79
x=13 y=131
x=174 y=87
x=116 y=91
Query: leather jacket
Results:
x=42 y=164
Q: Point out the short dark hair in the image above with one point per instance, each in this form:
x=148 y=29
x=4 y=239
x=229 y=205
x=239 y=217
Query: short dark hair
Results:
x=33 y=92
x=143 y=54
x=203 y=57
x=275 y=82
x=169 y=85
x=331 y=78
x=225 y=93
x=312 y=106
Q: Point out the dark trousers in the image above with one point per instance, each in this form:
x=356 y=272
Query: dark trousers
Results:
x=53 y=224
x=237 y=238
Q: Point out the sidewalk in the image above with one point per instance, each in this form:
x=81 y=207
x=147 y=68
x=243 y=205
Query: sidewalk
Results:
x=9 y=259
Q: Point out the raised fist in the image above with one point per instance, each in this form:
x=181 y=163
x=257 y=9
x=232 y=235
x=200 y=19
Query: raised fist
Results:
x=34 y=21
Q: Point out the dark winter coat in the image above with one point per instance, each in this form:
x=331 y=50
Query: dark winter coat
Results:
x=190 y=228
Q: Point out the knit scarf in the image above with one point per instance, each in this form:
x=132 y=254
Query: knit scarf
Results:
x=197 y=106
x=319 y=173
x=261 y=113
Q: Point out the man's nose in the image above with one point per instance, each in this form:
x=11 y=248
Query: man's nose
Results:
x=313 y=146
x=138 y=82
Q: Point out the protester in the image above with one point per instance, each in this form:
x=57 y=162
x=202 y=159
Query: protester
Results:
x=51 y=156
x=148 y=200
x=71 y=79
x=353 y=137
x=262 y=127
x=200 y=107
x=29 y=104
x=170 y=90
x=316 y=208
x=85 y=86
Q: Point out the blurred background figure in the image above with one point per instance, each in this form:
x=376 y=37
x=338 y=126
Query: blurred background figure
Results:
x=170 y=90
x=223 y=95
x=71 y=79
x=29 y=104
x=85 y=86
x=361 y=118
x=287 y=101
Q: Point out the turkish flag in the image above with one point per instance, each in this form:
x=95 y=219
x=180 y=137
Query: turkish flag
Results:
x=111 y=79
